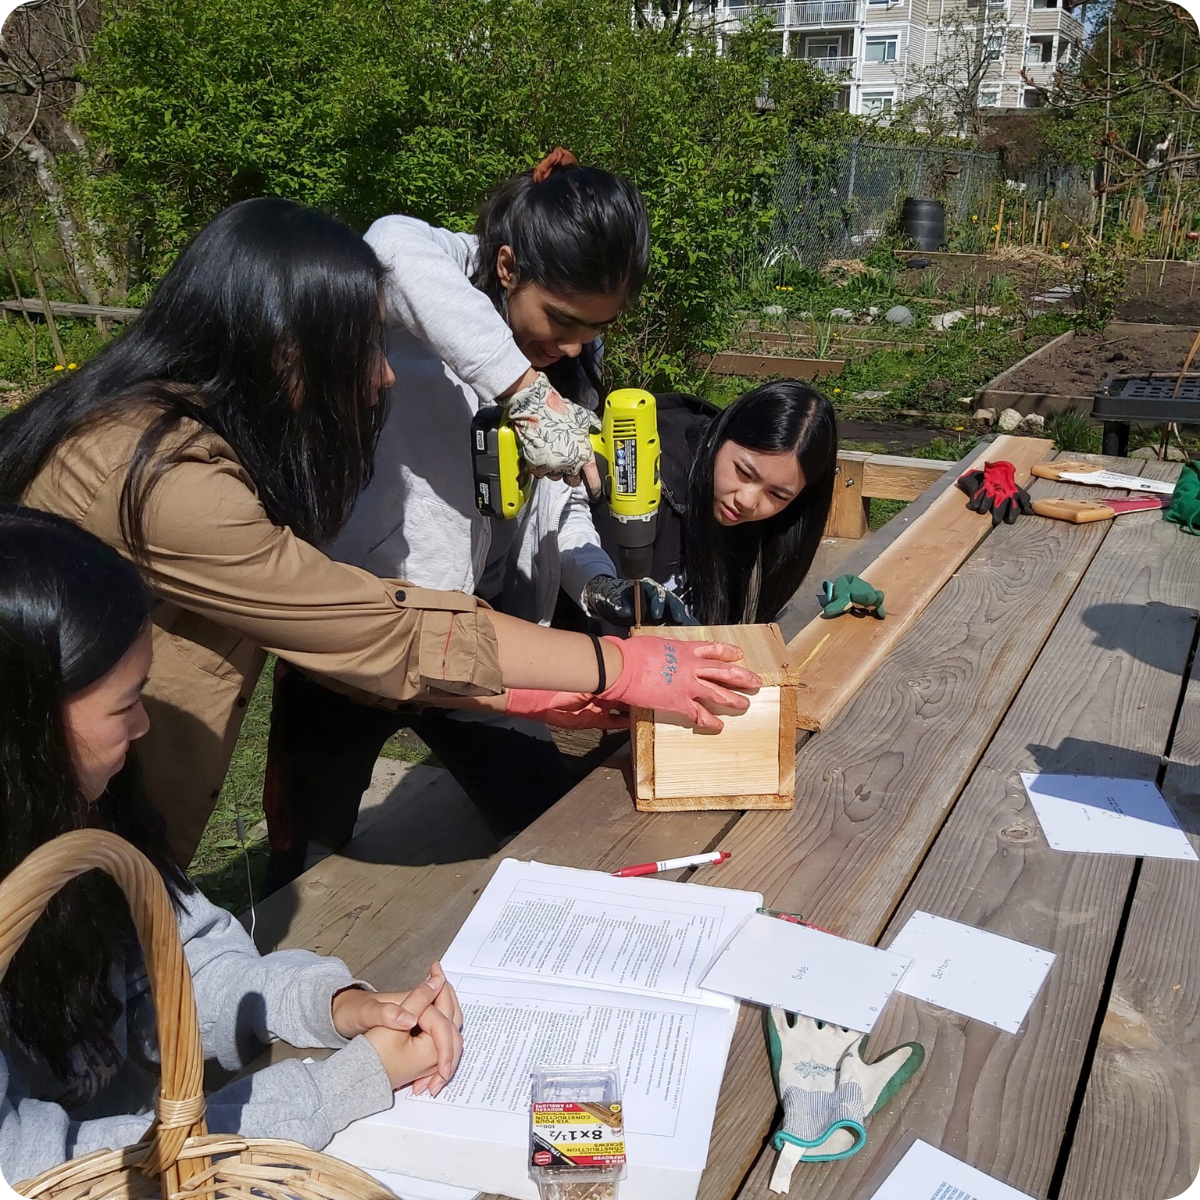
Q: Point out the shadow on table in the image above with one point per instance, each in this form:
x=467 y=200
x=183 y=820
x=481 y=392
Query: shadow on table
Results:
x=1157 y=634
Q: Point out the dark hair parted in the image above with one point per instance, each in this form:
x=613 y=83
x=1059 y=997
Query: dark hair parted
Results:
x=266 y=330
x=70 y=609
x=749 y=572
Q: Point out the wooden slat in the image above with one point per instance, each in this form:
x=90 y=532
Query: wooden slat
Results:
x=873 y=789
x=1135 y=1139
x=836 y=656
x=848 y=514
x=59 y=309
x=1099 y=700
x=763 y=366
x=893 y=477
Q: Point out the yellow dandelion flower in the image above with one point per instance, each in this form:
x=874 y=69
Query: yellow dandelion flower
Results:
x=1064 y=245
x=836 y=390
x=974 y=216
x=58 y=366
x=958 y=428
x=72 y=366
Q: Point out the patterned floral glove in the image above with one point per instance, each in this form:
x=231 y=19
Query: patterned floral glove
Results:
x=554 y=433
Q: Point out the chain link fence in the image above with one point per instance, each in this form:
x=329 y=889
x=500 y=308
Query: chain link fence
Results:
x=841 y=209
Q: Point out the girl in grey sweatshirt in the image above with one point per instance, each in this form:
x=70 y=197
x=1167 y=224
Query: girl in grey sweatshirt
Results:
x=78 y=1046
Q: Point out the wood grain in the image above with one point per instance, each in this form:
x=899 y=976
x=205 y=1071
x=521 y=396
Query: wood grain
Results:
x=873 y=789
x=1099 y=700
x=1136 y=1135
x=848 y=514
x=776 y=366
x=893 y=477
x=838 y=655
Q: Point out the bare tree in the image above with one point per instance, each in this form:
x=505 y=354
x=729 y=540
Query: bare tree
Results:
x=43 y=47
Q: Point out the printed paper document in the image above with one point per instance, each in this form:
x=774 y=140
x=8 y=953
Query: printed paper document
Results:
x=558 y=966
x=926 y=1173
x=806 y=971
x=1098 y=815
x=971 y=971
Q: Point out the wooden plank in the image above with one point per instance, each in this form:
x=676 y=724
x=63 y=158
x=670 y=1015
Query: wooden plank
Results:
x=849 y=514
x=1135 y=1138
x=743 y=759
x=1100 y=699
x=894 y=477
x=835 y=657
x=873 y=789
x=59 y=309
x=763 y=366
x=763 y=649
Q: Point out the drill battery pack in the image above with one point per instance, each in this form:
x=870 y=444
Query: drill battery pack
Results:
x=502 y=481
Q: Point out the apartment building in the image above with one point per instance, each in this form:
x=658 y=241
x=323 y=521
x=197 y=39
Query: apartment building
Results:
x=887 y=50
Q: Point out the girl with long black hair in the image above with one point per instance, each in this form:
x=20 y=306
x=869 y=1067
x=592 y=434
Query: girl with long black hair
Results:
x=78 y=1053
x=746 y=493
x=216 y=443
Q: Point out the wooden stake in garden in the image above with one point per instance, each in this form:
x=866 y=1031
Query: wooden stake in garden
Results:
x=1037 y=224
x=1024 y=216
x=999 y=226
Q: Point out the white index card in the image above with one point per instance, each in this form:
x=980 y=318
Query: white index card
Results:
x=971 y=971
x=802 y=970
x=926 y=1173
x=1096 y=814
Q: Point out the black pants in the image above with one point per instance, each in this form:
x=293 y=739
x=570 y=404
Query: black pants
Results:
x=323 y=746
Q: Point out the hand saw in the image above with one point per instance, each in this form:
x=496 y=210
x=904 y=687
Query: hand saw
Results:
x=1080 y=511
x=1066 y=471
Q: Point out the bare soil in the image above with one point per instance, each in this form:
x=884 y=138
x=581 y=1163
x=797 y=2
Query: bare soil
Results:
x=1175 y=302
x=1029 y=279
x=1077 y=366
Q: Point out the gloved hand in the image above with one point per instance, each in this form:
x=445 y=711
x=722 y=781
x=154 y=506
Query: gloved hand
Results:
x=828 y=1091
x=994 y=490
x=611 y=599
x=676 y=676
x=553 y=432
x=565 y=710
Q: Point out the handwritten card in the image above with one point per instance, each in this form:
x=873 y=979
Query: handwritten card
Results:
x=926 y=1173
x=1094 y=814
x=971 y=971
x=803 y=970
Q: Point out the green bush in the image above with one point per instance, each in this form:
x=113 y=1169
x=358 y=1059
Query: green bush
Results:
x=421 y=106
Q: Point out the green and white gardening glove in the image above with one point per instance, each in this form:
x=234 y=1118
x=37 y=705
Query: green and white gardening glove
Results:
x=828 y=1091
x=554 y=433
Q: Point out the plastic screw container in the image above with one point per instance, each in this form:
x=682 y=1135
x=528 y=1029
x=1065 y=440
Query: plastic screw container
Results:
x=576 y=1133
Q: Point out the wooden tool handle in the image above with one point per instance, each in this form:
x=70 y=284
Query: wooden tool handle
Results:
x=1061 y=467
x=27 y=890
x=1076 y=511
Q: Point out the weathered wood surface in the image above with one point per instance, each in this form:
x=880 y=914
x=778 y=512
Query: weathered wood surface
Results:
x=60 y=309
x=874 y=788
x=894 y=477
x=1099 y=700
x=1136 y=1138
x=848 y=514
x=766 y=366
x=835 y=657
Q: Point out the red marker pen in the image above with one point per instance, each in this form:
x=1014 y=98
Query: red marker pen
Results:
x=674 y=864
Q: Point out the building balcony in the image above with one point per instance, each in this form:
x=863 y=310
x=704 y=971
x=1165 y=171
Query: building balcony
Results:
x=834 y=66
x=1055 y=20
x=807 y=14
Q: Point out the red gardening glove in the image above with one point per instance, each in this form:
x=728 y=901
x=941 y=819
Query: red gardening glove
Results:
x=677 y=676
x=995 y=490
x=566 y=710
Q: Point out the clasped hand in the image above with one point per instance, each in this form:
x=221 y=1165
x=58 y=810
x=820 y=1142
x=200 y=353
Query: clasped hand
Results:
x=417 y=1034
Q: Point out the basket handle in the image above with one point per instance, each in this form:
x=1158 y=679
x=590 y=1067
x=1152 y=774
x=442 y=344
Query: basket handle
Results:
x=24 y=894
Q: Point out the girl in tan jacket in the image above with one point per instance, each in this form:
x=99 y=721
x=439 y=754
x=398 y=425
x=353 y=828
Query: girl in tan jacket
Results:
x=226 y=434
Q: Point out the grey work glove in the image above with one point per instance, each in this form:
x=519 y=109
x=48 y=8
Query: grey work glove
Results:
x=610 y=599
x=828 y=1090
x=554 y=434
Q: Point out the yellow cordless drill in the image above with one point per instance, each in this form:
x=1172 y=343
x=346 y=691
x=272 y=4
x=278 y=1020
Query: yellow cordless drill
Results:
x=627 y=452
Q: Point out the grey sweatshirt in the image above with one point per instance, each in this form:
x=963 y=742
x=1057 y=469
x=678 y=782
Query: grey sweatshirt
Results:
x=452 y=353
x=244 y=1000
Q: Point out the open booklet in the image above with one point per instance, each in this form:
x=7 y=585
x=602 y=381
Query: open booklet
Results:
x=559 y=966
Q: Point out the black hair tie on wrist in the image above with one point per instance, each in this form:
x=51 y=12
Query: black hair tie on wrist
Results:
x=602 y=685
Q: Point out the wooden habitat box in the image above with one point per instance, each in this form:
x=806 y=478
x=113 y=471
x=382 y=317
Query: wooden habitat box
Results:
x=751 y=763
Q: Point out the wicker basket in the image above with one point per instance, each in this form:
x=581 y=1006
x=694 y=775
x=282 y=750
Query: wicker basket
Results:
x=177 y=1159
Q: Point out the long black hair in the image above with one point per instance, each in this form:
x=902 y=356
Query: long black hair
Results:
x=267 y=330
x=70 y=609
x=579 y=231
x=748 y=572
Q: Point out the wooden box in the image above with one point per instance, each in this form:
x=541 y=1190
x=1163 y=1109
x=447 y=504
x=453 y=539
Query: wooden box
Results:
x=751 y=763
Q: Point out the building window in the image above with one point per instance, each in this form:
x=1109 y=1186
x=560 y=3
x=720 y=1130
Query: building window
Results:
x=823 y=48
x=877 y=104
x=1065 y=50
x=881 y=49
x=1045 y=3
x=1039 y=50
x=989 y=95
x=882 y=3
x=1032 y=98
x=993 y=46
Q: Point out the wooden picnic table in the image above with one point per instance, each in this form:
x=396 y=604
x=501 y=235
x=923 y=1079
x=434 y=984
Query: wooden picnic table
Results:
x=1055 y=647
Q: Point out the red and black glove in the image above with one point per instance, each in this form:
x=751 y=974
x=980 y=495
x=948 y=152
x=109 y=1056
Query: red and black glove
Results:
x=994 y=490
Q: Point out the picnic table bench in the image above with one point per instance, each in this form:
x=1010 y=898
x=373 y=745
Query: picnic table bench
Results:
x=1055 y=647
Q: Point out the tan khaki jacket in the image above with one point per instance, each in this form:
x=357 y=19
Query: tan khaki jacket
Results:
x=231 y=586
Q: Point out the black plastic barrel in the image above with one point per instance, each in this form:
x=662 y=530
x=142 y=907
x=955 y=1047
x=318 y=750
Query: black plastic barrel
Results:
x=924 y=223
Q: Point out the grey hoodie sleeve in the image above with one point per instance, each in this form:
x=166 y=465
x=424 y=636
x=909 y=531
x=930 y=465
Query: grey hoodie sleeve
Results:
x=429 y=292
x=246 y=999
x=304 y=1102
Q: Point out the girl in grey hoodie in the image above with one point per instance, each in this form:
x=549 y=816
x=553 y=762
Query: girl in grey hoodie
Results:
x=78 y=1048
x=472 y=319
